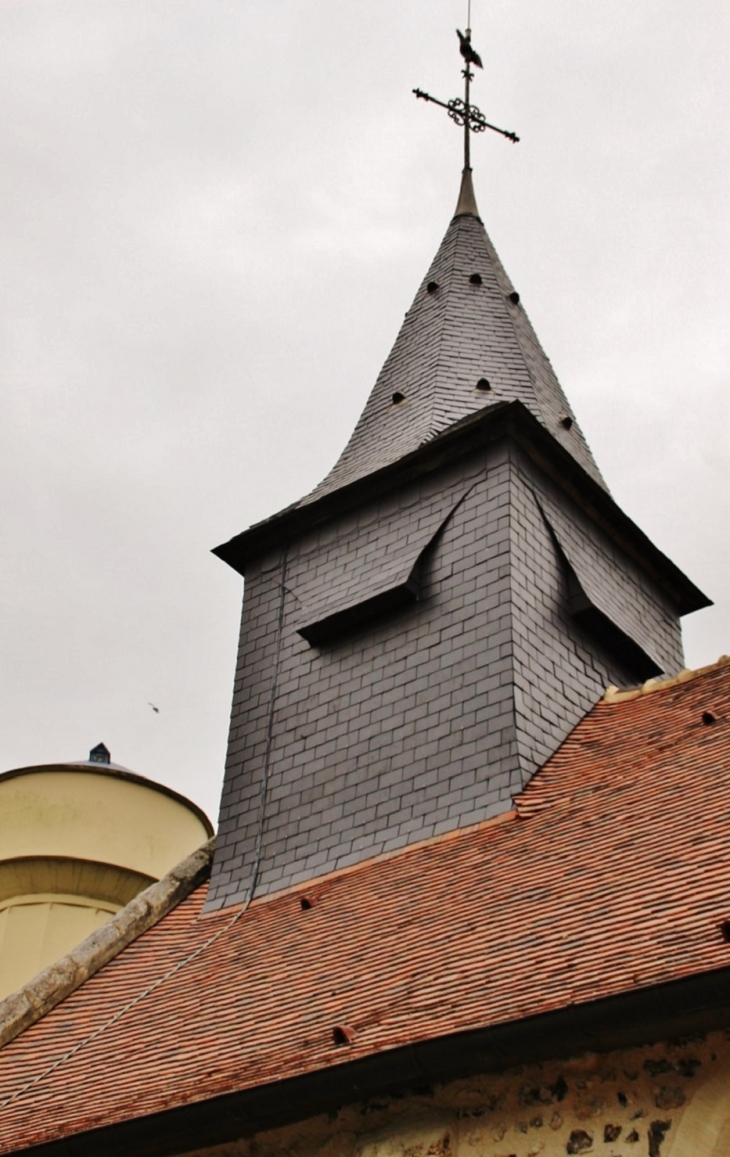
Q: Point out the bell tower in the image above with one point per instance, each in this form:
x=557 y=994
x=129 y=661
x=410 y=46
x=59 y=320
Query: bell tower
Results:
x=425 y=628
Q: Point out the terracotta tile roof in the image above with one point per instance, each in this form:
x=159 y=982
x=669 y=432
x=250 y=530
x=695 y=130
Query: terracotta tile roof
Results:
x=612 y=872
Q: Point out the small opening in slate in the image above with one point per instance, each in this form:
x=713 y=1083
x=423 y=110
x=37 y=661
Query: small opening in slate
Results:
x=483 y=384
x=514 y=297
x=432 y=286
x=708 y=718
x=476 y=279
x=725 y=931
x=306 y=903
x=342 y=1035
x=566 y=420
x=398 y=397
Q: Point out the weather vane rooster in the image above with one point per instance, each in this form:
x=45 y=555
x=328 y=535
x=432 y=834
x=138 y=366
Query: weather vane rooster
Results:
x=463 y=112
x=466 y=50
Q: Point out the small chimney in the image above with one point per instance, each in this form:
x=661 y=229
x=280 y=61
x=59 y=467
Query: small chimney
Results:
x=100 y=754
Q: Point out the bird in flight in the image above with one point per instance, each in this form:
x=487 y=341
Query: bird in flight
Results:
x=155 y=709
x=466 y=50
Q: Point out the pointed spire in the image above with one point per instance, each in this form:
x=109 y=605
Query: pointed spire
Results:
x=465 y=343
x=466 y=206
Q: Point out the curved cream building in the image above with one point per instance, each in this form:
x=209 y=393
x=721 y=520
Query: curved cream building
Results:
x=77 y=842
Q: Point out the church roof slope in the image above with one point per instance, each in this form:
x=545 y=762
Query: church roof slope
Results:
x=611 y=875
x=466 y=342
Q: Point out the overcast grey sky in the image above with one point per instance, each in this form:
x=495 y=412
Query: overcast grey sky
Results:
x=214 y=215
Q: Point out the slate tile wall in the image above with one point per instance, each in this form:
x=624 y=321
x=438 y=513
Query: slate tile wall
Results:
x=381 y=739
x=614 y=581
x=428 y=719
x=560 y=669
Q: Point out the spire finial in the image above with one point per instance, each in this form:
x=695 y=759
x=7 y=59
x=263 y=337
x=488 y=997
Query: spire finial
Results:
x=466 y=206
x=466 y=114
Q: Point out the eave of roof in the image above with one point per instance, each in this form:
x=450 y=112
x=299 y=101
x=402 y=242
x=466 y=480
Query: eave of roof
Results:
x=494 y=422
x=692 y=1006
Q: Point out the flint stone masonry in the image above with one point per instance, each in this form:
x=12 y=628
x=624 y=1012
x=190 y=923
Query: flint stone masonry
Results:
x=433 y=715
x=608 y=1103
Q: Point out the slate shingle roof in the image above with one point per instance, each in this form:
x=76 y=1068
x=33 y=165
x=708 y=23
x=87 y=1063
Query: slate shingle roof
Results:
x=612 y=873
x=458 y=331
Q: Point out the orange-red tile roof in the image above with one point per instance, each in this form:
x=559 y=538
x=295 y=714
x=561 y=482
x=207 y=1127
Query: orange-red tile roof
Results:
x=613 y=872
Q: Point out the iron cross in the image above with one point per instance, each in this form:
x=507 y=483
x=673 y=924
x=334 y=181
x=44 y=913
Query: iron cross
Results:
x=463 y=112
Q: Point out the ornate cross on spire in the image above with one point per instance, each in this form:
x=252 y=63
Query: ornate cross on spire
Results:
x=463 y=112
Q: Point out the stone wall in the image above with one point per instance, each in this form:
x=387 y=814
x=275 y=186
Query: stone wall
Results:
x=667 y=1100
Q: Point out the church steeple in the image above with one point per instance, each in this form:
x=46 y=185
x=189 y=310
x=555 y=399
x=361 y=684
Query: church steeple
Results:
x=427 y=626
x=466 y=343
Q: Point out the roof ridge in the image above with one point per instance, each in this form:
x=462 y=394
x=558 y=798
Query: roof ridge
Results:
x=614 y=694
x=23 y=1008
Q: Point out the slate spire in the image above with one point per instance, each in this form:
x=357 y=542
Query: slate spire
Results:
x=466 y=343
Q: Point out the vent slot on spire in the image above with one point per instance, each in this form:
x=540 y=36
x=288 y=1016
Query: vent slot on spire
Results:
x=605 y=601
x=367 y=575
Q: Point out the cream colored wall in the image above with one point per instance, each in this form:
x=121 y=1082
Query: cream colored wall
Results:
x=76 y=845
x=36 y=931
x=97 y=817
x=669 y=1100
